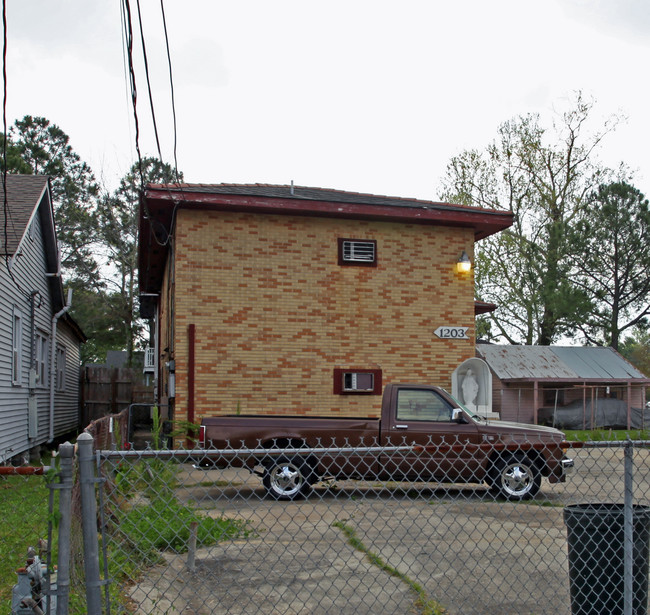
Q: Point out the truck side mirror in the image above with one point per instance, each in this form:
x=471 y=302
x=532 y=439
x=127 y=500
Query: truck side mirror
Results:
x=457 y=416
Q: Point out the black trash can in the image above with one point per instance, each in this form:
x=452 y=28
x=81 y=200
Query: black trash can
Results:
x=596 y=537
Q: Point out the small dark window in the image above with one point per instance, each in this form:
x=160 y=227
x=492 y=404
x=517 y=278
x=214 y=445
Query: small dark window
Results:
x=359 y=252
x=355 y=381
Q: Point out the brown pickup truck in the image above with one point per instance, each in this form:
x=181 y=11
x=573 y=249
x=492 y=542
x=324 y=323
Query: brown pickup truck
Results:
x=423 y=434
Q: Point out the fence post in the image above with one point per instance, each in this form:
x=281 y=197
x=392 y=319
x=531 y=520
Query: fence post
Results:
x=628 y=527
x=89 y=524
x=66 y=453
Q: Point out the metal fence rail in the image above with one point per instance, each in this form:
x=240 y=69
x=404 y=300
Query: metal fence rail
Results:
x=182 y=539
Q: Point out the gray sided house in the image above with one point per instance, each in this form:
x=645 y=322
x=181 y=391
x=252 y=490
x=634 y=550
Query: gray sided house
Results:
x=39 y=341
x=566 y=386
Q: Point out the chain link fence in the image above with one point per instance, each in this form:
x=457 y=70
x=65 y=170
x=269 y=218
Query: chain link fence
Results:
x=332 y=530
x=198 y=532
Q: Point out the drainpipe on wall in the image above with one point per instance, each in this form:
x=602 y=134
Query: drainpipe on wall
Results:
x=55 y=319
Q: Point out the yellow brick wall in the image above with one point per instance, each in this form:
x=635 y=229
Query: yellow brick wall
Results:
x=275 y=313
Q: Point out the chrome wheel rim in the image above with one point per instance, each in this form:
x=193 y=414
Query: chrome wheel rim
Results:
x=286 y=479
x=517 y=479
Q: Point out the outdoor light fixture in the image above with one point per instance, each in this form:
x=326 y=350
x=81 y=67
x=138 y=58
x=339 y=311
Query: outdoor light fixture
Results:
x=464 y=265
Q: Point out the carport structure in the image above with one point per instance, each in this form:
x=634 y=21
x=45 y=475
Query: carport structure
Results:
x=527 y=379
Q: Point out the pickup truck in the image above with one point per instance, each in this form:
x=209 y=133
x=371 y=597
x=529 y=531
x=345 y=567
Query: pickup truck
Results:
x=423 y=434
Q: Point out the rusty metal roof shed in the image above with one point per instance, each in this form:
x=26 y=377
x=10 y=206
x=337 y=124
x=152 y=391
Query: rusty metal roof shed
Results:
x=553 y=363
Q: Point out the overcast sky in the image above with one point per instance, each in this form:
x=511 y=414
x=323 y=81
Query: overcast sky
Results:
x=369 y=96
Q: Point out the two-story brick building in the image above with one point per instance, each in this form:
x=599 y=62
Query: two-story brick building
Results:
x=293 y=300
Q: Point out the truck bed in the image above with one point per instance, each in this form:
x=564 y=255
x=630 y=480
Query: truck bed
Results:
x=234 y=430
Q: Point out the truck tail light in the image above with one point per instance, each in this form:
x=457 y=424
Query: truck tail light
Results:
x=202 y=436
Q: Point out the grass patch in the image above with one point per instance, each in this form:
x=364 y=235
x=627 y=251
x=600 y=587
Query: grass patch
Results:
x=148 y=519
x=165 y=526
x=213 y=483
x=543 y=503
x=425 y=605
x=25 y=515
x=606 y=435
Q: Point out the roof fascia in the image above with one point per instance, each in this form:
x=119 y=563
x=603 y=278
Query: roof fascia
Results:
x=482 y=307
x=51 y=247
x=74 y=326
x=580 y=381
x=484 y=222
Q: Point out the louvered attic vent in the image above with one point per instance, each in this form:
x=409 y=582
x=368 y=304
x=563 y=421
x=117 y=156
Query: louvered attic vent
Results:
x=357 y=252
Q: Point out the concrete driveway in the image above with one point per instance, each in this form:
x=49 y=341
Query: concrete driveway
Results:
x=468 y=552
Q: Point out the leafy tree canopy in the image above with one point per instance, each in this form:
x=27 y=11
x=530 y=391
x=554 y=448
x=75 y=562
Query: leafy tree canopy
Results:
x=636 y=348
x=611 y=237
x=543 y=176
x=118 y=241
x=97 y=232
x=35 y=146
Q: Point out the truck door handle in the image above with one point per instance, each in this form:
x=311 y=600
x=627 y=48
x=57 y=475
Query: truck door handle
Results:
x=401 y=426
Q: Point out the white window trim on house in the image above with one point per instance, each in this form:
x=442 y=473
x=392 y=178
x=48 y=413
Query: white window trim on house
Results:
x=17 y=348
x=60 y=368
x=41 y=358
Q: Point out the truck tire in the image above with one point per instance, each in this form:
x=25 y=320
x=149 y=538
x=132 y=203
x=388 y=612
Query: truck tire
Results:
x=287 y=478
x=515 y=477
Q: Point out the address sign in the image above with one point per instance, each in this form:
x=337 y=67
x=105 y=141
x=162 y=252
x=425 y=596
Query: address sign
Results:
x=452 y=333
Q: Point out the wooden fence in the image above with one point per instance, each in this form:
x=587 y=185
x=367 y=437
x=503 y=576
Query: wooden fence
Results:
x=109 y=390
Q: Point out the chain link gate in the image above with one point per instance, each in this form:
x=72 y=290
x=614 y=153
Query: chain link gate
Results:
x=182 y=539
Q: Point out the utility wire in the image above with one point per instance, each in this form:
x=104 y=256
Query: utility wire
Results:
x=173 y=104
x=5 y=205
x=171 y=85
x=125 y=69
x=128 y=40
x=146 y=72
x=127 y=18
x=5 y=201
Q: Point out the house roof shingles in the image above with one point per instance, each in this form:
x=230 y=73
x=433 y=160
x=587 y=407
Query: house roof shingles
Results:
x=305 y=193
x=28 y=196
x=24 y=192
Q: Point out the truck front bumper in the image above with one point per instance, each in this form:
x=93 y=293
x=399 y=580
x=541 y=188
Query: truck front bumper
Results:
x=561 y=472
x=567 y=465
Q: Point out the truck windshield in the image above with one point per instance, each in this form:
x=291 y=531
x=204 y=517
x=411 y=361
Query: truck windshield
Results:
x=477 y=418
